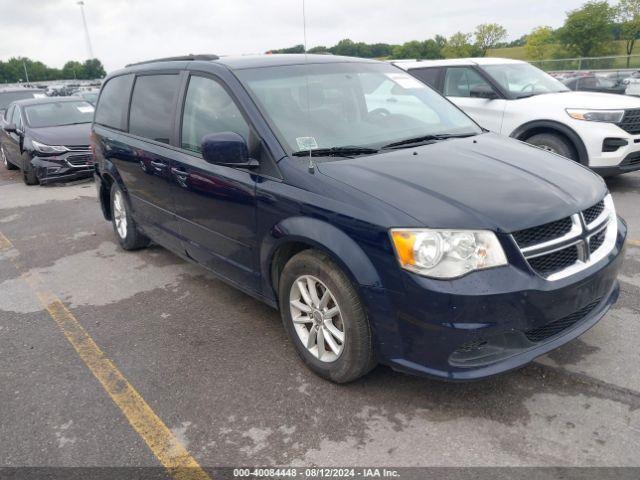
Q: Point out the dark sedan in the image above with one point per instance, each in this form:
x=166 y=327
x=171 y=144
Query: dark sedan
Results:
x=593 y=83
x=48 y=139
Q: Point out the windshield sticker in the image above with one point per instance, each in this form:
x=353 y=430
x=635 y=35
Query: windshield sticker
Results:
x=85 y=109
x=405 y=80
x=307 y=143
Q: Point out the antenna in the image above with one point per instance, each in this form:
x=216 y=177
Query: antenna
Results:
x=312 y=166
x=86 y=30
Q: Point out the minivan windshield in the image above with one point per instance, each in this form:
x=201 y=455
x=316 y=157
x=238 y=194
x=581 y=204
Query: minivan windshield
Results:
x=56 y=114
x=356 y=105
x=522 y=80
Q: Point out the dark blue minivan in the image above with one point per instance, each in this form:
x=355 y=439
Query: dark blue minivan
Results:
x=383 y=223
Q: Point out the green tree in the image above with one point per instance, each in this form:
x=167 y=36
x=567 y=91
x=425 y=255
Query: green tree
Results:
x=587 y=31
x=345 y=47
x=93 y=69
x=73 y=69
x=540 y=43
x=627 y=14
x=458 y=46
x=487 y=35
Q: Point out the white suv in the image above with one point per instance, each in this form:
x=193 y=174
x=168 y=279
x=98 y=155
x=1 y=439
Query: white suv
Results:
x=514 y=98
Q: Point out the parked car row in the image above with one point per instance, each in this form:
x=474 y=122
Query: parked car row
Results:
x=388 y=224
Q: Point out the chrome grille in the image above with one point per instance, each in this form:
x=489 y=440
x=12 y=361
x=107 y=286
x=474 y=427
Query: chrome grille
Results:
x=563 y=247
x=591 y=214
x=79 y=160
x=78 y=148
x=631 y=121
x=543 y=233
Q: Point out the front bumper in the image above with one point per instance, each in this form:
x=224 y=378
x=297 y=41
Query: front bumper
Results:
x=631 y=163
x=60 y=169
x=488 y=322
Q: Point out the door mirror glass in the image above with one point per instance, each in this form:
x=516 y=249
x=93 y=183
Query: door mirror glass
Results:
x=226 y=148
x=10 y=128
x=483 y=91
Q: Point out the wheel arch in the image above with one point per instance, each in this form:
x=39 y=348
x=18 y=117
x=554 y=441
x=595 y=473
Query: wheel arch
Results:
x=527 y=130
x=296 y=234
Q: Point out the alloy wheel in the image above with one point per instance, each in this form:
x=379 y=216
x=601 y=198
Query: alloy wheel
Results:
x=317 y=318
x=120 y=214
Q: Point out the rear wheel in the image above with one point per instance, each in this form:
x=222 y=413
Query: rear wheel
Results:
x=129 y=237
x=7 y=164
x=554 y=143
x=324 y=317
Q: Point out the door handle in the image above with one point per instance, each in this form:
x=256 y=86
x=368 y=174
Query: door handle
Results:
x=179 y=173
x=156 y=164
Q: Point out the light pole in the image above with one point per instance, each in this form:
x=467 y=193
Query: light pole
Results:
x=86 y=30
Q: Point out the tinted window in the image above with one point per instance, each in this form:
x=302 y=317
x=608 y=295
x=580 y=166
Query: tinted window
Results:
x=427 y=75
x=58 y=113
x=151 y=115
x=114 y=102
x=16 y=119
x=459 y=81
x=208 y=108
x=7 y=97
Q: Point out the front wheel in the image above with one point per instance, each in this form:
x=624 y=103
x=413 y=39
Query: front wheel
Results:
x=129 y=237
x=324 y=317
x=29 y=174
x=554 y=143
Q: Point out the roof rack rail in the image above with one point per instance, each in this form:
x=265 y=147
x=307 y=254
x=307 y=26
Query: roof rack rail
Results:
x=189 y=57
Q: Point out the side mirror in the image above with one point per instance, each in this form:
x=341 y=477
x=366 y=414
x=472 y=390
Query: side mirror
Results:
x=483 y=91
x=226 y=148
x=10 y=128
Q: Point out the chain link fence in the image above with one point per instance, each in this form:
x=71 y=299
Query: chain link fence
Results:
x=613 y=63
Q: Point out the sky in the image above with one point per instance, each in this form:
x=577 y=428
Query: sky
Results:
x=125 y=31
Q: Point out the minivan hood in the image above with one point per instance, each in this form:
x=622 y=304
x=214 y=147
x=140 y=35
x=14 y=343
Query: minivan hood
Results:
x=62 y=135
x=485 y=182
x=593 y=100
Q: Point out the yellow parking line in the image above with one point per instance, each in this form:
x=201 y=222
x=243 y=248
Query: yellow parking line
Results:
x=635 y=243
x=164 y=445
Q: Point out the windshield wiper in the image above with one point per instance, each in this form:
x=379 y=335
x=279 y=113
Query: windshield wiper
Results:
x=428 y=138
x=335 y=152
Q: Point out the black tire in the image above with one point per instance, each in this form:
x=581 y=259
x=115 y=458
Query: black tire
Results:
x=555 y=143
x=7 y=164
x=29 y=175
x=132 y=239
x=357 y=357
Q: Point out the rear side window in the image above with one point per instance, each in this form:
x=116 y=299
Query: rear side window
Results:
x=152 y=105
x=459 y=81
x=114 y=101
x=427 y=75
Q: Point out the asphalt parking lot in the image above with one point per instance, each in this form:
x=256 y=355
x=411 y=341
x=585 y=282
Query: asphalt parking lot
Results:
x=216 y=369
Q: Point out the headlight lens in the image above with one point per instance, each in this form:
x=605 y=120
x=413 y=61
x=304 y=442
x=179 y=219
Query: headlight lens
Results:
x=42 y=148
x=609 y=116
x=446 y=253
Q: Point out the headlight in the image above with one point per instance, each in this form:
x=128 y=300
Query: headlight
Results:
x=446 y=253
x=609 y=116
x=42 y=148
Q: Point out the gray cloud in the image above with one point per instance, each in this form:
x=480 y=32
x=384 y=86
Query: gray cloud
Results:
x=123 y=31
